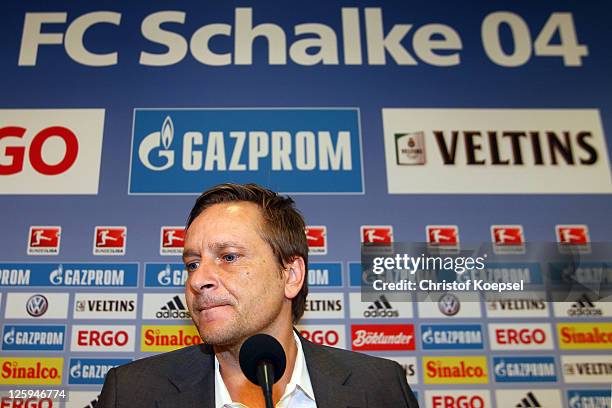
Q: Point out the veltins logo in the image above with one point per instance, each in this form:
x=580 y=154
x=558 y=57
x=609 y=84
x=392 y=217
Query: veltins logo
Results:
x=288 y=149
x=584 y=369
x=95 y=305
x=589 y=398
x=26 y=337
x=450 y=337
x=585 y=335
x=92 y=370
x=50 y=151
x=168 y=338
x=528 y=150
x=455 y=370
x=524 y=369
x=409 y=366
x=525 y=305
x=31 y=371
x=44 y=240
x=382 y=337
x=324 y=305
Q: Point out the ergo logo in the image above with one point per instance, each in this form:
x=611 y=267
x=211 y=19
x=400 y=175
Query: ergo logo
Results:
x=464 y=401
x=17 y=151
x=102 y=338
x=326 y=337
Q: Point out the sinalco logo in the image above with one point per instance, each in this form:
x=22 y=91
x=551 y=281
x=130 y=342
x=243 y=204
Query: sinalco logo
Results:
x=37 y=305
x=158 y=142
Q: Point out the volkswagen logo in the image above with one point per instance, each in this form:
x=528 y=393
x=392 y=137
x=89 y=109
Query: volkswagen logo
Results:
x=449 y=304
x=37 y=305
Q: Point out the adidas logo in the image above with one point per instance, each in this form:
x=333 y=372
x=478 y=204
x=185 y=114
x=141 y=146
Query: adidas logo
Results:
x=381 y=308
x=530 y=401
x=174 y=309
x=584 y=307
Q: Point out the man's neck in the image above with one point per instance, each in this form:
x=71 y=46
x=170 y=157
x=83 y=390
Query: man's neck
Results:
x=239 y=387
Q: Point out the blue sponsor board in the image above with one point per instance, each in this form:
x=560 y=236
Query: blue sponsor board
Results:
x=324 y=274
x=92 y=370
x=509 y=272
x=524 y=369
x=588 y=273
x=589 y=399
x=69 y=274
x=451 y=337
x=186 y=151
x=30 y=337
x=165 y=275
x=355 y=274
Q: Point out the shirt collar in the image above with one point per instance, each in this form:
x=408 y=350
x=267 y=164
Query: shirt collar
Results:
x=300 y=378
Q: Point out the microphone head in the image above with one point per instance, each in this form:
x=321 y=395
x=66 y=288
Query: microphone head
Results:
x=259 y=348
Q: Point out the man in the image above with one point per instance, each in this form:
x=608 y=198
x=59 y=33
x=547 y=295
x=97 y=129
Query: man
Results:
x=246 y=255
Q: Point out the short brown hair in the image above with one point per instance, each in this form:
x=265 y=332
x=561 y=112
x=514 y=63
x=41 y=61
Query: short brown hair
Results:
x=283 y=227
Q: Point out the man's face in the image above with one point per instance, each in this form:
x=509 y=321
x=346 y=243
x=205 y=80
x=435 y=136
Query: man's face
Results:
x=234 y=288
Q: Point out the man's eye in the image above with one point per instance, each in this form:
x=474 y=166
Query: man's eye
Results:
x=192 y=266
x=230 y=258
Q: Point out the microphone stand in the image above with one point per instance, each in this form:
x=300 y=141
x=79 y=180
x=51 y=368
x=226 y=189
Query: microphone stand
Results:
x=265 y=378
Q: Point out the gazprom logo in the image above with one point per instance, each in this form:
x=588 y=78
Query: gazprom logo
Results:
x=172 y=275
x=158 y=143
x=184 y=151
x=92 y=370
x=28 y=337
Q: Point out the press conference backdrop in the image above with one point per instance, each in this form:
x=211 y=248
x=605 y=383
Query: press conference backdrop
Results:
x=385 y=120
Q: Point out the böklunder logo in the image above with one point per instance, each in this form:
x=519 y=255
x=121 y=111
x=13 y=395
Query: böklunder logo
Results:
x=50 y=151
x=503 y=151
x=379 y=337
x=297 y=150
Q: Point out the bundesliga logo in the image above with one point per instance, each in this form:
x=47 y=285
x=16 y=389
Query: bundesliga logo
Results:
x=381 y=234
x=316 y=237
x=572 y=234
x=507 y=239
x=44 y=240
x=172 y=240
x=443 y=235
x=110 y=240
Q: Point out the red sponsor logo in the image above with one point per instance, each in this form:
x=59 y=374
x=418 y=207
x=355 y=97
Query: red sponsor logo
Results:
x=106 y=338
x=507 y=234
x=382 y=337
x=172 y=240
x=110 y=240
x=461 y=401
x=316 y=237
x=573 y=234
x=443 y=235
x=44 y=240
x=376 y=234
x=323 y=337
x=16 y=151
x=520 y=336
x=7 y=402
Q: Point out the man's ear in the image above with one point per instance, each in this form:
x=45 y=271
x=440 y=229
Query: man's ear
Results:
x=295 y=273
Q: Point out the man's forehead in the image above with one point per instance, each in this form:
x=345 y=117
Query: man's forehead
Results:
x=240 y=215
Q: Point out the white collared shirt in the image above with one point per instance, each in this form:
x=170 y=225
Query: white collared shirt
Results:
x=298 y=392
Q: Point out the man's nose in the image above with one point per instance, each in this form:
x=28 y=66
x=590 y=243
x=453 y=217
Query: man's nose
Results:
x=205 y=277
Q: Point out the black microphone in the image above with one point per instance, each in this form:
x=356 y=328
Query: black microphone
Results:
x=263 y=362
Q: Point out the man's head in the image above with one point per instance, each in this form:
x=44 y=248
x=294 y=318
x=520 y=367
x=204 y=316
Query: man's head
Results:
x=246 y=254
